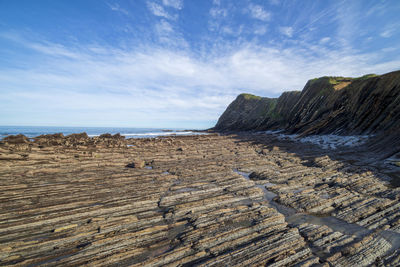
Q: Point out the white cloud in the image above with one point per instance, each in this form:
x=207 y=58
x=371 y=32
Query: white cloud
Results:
x=379 y=9
x=164 y=27
x=218 y=12
x=151 y=84
x=389 y=31
x=168 y=36
x=217 y=2
x=386 y=34
x=56 y=50
x=116 y=7
x=324 y=40
x=158 y=10
x=258 y=12
x=288 y=31
x=178 y=4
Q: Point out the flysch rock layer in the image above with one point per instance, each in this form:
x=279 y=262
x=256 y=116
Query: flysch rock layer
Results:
x=184 y=201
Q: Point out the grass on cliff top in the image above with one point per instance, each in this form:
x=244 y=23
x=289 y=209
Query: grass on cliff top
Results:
x=362 y=78
x=331 y=79
x=250 y=96
x=338 y=79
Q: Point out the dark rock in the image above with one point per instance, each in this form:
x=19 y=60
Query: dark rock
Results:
x=106 y=135
x=247 y=112
x=110 y=136
x=78 y=136
x=118 y=136
x=137 y=163
x=50 y=139
x=50 y=136
x=16 y=139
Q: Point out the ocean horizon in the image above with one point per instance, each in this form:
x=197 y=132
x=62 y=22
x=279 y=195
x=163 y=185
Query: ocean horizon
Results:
x=129 y=132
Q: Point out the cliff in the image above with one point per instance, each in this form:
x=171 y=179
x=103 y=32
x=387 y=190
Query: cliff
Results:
x=339 y=105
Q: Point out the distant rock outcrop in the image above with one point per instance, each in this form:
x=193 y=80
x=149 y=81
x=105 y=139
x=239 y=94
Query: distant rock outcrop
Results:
x=72 y=140
x=16 y=139
x=364 y=105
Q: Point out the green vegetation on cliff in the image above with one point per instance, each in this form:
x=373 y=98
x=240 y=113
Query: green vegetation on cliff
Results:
x=250 y=96
x=365 y=77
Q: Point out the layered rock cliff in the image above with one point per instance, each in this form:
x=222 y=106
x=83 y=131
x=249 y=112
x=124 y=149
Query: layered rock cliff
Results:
x=364 y=105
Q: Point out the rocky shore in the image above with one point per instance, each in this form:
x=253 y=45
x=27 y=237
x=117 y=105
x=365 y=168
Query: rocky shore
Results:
x=206 y=200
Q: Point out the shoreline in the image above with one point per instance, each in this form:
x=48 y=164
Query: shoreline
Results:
x=182 y=200
x=150 y=134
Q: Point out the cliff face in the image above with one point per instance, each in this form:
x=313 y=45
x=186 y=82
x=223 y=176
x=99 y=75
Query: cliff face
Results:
x=247 y=112
x=365 y=105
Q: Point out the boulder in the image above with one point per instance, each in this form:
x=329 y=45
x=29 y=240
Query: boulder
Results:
x=16 y=139
x=137 y=164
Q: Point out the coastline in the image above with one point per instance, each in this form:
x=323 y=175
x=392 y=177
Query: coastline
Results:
x=179 y=200
x=128 y=132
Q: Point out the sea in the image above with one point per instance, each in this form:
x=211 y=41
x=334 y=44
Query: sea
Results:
x=33 y=131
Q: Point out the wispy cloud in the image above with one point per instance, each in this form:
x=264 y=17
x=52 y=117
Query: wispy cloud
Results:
x=116 y=7
x=258 y=12
x=218 y=17
x=218 y=12
x=168 y=36
x=178 y=4
x=389 y=30
x=158 y=10
x=148 y=83
x=287 y=31
x=324 y=40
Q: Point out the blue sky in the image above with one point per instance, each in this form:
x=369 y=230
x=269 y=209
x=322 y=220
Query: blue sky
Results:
x=178 y=63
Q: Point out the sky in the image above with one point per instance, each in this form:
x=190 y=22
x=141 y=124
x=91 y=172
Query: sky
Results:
x=178 y=63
